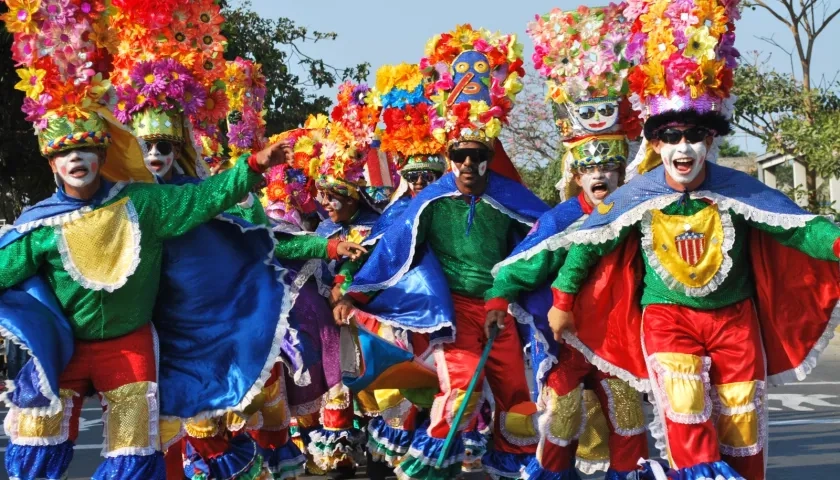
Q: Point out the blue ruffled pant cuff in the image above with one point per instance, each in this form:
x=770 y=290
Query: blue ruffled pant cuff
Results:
x=34 y=462
x=536 y=472
x=284 y=462
x=499 y=464
x=241 y=461
x=132 y=467
x=386 y=442
x=702 y=471
x=420 y=461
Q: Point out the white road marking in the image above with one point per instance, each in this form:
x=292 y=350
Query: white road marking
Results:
x=813 y=421
x=794 y=401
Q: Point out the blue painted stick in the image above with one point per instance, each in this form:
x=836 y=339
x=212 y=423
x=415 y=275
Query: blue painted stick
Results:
x=453 y=429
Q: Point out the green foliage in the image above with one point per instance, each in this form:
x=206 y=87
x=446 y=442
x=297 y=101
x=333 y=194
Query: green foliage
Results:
x=277 y=45
x=542 y=180
x=729 y=149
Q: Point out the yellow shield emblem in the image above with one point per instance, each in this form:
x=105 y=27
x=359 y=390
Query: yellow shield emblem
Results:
x=689 y=248
x=101 y=249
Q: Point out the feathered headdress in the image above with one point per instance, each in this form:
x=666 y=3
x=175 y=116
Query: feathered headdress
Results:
x=476 y=77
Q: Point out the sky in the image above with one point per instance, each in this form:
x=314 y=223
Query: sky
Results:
x=386 y=32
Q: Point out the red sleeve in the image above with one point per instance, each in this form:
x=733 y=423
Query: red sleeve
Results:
x=339 y=280
x=562 y=300
x=252 y=164
x=332 y=250
x=497 y=303
x=837 y=248
x=359 y=297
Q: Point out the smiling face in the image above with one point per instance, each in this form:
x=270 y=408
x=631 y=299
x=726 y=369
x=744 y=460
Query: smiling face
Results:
x=683 y=149
x=596 y=115
x=77 y=168
x=339 y=208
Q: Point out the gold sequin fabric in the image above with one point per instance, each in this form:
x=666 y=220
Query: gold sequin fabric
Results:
x=131 y=417
x=593 y=444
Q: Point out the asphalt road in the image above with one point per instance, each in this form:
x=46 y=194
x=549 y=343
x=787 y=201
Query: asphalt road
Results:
x=804 y=428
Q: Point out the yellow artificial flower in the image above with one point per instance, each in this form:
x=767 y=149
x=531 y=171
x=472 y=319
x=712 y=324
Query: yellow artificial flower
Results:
x=465 y=35
x=557 y=92
x=655 y=73
x=513 y=85
x=515 y=49
x=305 y=145
x=711 y=14
x=493 y=128
x=19 y=18
x=439 y=134
x=660 y=45
x=31 y=81
x=98 y=86
x=317 y=121
x=233 y=74
x=477 y=108
x=655 y=18
x=709 y=71
x=429 y=49
x=700 y=44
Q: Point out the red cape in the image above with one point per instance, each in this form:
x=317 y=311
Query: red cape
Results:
x=796 y=296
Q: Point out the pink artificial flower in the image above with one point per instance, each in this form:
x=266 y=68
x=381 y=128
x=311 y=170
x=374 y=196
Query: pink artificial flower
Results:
x=681 y=14
x=60 y=12
x=24 y=48
x=482 y=46
x=636 y=8
x=677 y=69
x=36 y=109
x=636 y=47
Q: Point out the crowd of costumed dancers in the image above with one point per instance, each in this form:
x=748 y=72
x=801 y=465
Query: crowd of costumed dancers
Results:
x=368 y=289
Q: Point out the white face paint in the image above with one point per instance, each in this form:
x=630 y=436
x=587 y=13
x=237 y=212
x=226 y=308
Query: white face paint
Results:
x=336 y=204
x=597 y=116
x=596 y=185
x=482 y=169
x=77 y=168
x=158 y=163
x=456 y=169
x=684 y=161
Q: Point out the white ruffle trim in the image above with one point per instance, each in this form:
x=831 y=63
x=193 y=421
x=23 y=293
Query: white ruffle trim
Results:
x=661 y=372
x=801 y=371
x=640 y=384
x=522 y=316
x=611 y=406
x=545 y=420
x=758 y=406
x=63 y=218
x=552 y=243
x=590 y=467
x=153 y=407
x=55 y=402
x=12 y=422
x=74 y=272
x=672 y=283
x=307 y=408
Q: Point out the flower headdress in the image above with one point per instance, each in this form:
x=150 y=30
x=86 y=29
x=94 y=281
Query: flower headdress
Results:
x=583 y=55
x=476 y=77
x=349 y=138
x=64 y=71
x=407 y=114
x=686 y=56
x=168 y=68
x=246 y=99
x=291 y=190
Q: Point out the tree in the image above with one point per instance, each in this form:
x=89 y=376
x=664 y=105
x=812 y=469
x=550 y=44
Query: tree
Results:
x=25 y=176
x=533 y=142
x=276 y=44
x=789 y=113
x=729 y=149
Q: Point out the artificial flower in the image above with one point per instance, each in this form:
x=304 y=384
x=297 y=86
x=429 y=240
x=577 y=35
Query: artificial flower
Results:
x=682 y=14
x=58 y=11
x=21 y=16
x=712 y=14
x=678 y=68
x=216 y=106
x=655 y=78
x=655 y=18
x=700 y=44
x=31 y=81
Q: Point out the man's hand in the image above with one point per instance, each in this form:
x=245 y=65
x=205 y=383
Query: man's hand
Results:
x=343 y=310
x=351 y=250
x=496 y=317
x=559 y=322
x=335 y=295
x=272 y=155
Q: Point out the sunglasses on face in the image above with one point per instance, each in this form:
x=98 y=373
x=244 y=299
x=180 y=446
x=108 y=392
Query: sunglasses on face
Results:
x=163 y=146
x=427 y=177
x=601 y=167
x=460 y=155
x=674 y=136
x=588 y=111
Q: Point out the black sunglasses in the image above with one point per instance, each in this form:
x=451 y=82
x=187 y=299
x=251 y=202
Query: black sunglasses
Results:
x=428 y=177
x=163 y=146
x=674 y=136
x=586 y=112
x=460 y=155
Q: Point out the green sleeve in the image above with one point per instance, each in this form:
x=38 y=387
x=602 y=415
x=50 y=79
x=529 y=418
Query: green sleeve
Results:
x=301 y=247
x=525 y=275
x=816 y=239
x=251 y=211
x=179 y=209
x=20 y=260
x=349 y=269
x=581 y=258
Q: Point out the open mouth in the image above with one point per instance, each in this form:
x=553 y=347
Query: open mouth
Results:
x=156 y=164
x=78 y=171
x=600 y=190
x=684 y=165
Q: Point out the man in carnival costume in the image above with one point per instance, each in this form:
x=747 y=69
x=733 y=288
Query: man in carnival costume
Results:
x=469 y=220
x=74 y=264
x=720 y=254
x=595 y=119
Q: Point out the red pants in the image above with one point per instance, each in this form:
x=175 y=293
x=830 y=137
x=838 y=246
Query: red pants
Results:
x=703 y=361
x=514 y=424
x=563 y=414
x=104 y=366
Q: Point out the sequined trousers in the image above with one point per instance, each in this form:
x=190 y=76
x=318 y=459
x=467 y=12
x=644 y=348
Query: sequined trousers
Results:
x=708 y=373
x=567 y=420
x=123 y=372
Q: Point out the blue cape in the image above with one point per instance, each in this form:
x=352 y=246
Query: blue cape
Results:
x=388 y=217
x=205 y=366
x=395 y=252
